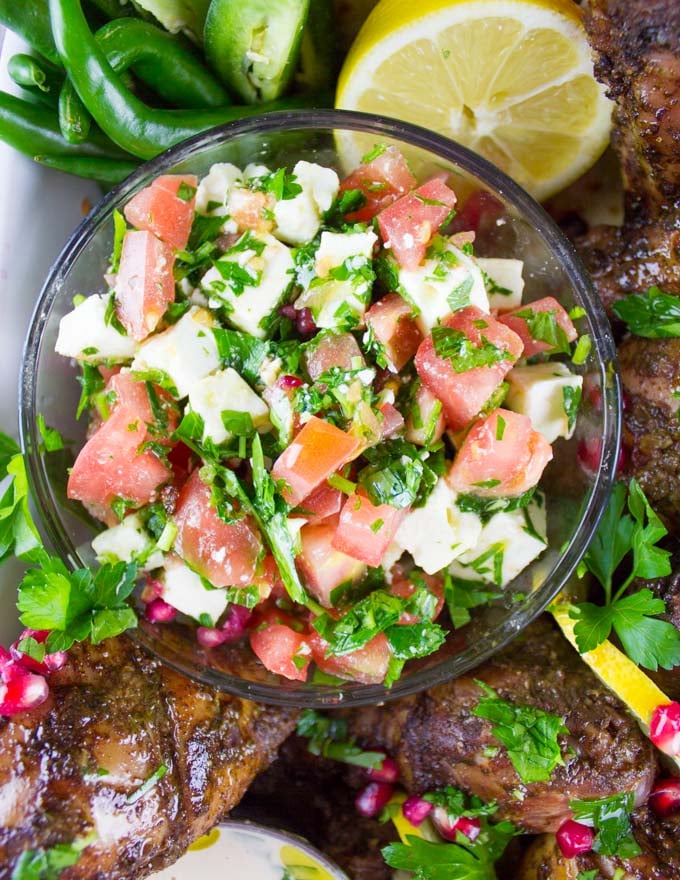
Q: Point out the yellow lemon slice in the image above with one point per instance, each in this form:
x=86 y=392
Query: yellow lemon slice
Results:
x=510 y=79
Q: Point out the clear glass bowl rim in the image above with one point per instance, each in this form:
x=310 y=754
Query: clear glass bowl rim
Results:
x=603 y=344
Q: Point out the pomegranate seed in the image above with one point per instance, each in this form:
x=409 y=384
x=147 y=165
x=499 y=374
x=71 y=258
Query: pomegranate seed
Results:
x=305 y=323
x=288 y=311
x=448 y=826
x=237 y=619
x=574 y=838
x=665 y=797
x=21 y=690
x=153 y=589
x=372 y=798
x=158 y=611
x=388 y=771
x=49 y=663
x=415 y=809
x=210 y=637
x=290 y=382
x=664 y=728
x=588 y=455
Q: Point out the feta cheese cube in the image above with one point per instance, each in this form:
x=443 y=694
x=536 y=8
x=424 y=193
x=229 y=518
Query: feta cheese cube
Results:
x=438 y=532
x=508 y=542
x=549 y=394
x=213 y=191
x=186 y=351
x=443 y=283
x=506 y=282
x=251 y=295
x=85 y=335
x=184 y=590
x=127 y=542
x=226 y=390
x=298 y=219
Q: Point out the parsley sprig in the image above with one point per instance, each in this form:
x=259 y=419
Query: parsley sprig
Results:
x=627 y=538
x=654 y=314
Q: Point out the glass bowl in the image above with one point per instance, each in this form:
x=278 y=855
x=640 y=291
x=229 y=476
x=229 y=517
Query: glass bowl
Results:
x=577 y=482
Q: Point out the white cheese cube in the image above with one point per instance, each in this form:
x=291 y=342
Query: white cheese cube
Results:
x=184 y=590
x=254 y=169
x=186 y=351
x=509 y=541
x=226 y=390
x=250 y=303
x=213 y=191
x=506 y=277
x=339 y=303
x=85 y=335
x=438 y=532
x=127 y=542
x=298 y=219
x=442 y=284
x=549 y=394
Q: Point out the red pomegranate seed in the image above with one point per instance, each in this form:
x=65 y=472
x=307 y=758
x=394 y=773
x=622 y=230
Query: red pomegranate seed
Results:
x=588 y=455
x=49 y=663
x=448 y=826
x=153 y=589
x=305 y=322
x=158 y=611
x=210 y=636
x=388 y=771
x=288 y=311
x=664 y=728
x=290 y=382
x=665 y=797
x=20 y=690
x=416 y=810
x=372 y=798
x=237 y=619
x=574 y=838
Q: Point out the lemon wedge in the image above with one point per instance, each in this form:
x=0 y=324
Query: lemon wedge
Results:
x=510 y=79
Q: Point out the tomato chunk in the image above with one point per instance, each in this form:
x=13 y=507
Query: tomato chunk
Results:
x=367 y=665
x=463 y=394
x=279 y=646
x=381 y=181
x=112 y=463
x=392 y=421
x=394 y=327
x=407 y=225
x=501 y=456
x=144 y=285
x=322 y=565
x=366 y=530
x=333 y=350
x=165 y=208
x=520 y=320
x=323 y=502
x=317 y=451
x=225 y=553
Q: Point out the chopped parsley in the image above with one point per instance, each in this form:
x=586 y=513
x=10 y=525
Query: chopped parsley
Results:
x=328 y=736
x=48 y=864
x=610 y=816
x=461 y=595
x=399 y=473
x=454 y=346
x=571 y=401
x=654 y=314
x=119 y=230
x=146 y=786
x=281 y=184
x=544 y=327
x=378 y=150
x=51 y=438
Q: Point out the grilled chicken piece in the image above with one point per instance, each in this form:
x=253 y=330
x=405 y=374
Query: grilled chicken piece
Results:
x=659 y=840
x=437 y=741
x=114 y=717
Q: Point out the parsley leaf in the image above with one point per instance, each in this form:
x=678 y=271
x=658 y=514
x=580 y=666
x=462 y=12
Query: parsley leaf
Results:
x=455 y=803
x=543 y=326
x=654 y=314
x=47 y=864
x=486 y=508
x=461 y=595
x=51 y=438
x=611 y=817
x=462 y=353
x=528 y=733
x=328 y=737
x=399 y=473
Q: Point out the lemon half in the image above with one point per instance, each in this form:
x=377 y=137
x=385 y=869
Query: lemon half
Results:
x=510 y=79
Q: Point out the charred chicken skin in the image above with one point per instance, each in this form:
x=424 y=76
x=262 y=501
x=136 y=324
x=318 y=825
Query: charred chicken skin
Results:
x=85 y=763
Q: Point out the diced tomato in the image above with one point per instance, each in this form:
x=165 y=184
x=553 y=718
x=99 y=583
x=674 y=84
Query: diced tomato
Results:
x=407 y=225
x=464 y=394
x=381 y=181
x=477 y=210
x=405 y=586
x=323 y=566
x=317 y=451
x=366 y=530
x=145 y=285
x=501 y=456
x=393 y=421
x=367 y=665
x=165 y=208
x=111 y=464
x=393 y=326
x=425 y=423
x=180 y=458
x=225 y=553
x=519 y=324
x=323 y=502
x=248 y=208
x=279 y=646
x=332 y=350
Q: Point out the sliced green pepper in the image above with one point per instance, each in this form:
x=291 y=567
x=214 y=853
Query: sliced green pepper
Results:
x=254 y=45
x=140 y=130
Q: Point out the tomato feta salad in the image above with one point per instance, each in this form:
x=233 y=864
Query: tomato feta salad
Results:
x=317 y=419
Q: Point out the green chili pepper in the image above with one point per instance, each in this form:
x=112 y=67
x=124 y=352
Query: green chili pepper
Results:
x=161 y=61
x=74 y=120
x=34 y=130
x=254 y=46
x=140 y=130
x=37 y=76
x=108 y=171
x=30 y=19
